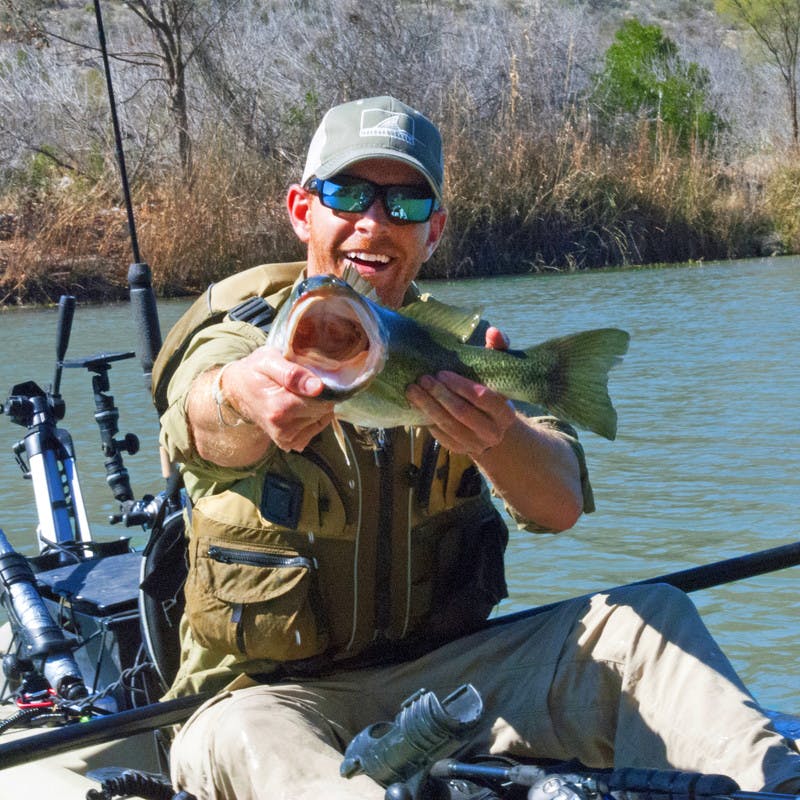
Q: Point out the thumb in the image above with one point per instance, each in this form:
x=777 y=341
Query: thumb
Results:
x=496 y=339
x=301 y=381
x=293 y=377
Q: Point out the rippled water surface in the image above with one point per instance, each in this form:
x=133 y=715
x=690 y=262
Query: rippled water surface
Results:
x=705 y=465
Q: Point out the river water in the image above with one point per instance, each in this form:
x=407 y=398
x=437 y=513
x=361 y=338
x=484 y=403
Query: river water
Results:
x=705 y=465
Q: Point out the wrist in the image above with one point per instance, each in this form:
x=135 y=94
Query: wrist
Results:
x=228 y=414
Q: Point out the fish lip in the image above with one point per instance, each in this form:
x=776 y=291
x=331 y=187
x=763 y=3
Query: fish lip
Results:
x=319 y=284
x=323 y=289
x=340 y=395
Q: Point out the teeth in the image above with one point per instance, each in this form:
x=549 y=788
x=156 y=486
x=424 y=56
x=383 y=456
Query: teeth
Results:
x=374 y=257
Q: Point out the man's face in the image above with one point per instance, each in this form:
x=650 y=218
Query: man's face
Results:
x=388 y=255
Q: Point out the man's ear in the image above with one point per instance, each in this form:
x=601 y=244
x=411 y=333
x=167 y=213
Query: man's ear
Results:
x=298 y=202
x=435 y=230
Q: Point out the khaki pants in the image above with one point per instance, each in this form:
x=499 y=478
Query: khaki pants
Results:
x=630 y=678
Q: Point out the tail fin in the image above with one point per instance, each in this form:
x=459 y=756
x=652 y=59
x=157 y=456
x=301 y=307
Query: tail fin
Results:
x=576 y=377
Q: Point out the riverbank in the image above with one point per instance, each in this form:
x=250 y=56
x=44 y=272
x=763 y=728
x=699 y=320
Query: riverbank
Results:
x=516 y=206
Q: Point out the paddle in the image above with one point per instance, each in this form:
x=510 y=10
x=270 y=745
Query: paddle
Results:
x=172 y=712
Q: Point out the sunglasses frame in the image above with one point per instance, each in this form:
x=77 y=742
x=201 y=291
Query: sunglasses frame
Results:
x=378 y=190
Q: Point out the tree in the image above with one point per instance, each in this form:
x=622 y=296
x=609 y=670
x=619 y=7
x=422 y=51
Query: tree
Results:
x=180 y=29
x=776 y=24
x=643 y=74
x=167 y=21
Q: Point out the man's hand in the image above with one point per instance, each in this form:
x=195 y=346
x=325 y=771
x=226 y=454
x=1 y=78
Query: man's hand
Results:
x=496 y=339
x=466 y=417
x=276 y=398
x=534 y=469
x=279 y=397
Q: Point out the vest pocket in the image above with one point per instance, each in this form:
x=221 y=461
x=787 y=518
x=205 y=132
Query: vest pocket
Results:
x=260 y=602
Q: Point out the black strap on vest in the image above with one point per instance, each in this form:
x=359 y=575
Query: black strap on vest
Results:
x=255 y=311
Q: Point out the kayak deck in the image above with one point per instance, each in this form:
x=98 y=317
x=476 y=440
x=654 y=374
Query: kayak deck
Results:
x=70 y=775
x=67 y=775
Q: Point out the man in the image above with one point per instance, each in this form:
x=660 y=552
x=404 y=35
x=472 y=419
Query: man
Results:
x=325 y=587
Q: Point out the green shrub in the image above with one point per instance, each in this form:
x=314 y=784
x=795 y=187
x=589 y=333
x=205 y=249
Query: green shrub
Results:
x=644 y=75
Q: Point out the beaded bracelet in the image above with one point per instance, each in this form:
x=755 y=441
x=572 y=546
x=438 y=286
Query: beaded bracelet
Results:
x=218 y=395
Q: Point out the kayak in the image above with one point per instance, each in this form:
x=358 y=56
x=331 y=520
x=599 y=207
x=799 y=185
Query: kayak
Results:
x=73 y=773
x=72 y=767
x=48 y=743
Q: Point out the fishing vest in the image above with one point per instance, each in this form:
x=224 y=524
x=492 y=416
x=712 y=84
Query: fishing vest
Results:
x=343 y=549
x=311 y=556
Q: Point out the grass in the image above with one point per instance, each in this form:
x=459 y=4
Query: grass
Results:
x=573 y=203
x=518 y=202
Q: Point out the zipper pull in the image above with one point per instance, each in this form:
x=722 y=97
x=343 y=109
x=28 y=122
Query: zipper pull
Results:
x=380 y=442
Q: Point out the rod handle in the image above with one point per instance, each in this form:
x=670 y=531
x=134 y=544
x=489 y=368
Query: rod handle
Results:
x=143 y=302
x=66 y=311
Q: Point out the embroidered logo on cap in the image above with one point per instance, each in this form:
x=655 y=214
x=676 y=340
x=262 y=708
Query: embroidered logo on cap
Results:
x=392 y=124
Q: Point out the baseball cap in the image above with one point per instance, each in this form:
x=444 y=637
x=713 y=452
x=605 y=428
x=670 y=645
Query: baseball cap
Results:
x=376 y=127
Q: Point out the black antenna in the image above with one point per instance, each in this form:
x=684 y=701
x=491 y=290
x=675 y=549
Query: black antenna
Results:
x=143 y=299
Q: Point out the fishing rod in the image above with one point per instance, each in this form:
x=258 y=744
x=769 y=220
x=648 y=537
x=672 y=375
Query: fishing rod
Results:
x=99 y=729
x=143 y=299
x=156 y=715
x=705 y=576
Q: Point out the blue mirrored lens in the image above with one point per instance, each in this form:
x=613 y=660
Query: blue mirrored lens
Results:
x=401 y=205
x=346 y=197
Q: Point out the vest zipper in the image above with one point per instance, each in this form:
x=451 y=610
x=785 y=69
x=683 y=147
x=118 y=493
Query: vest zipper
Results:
x=383 y=555
x=229 y=555
x=427 y=472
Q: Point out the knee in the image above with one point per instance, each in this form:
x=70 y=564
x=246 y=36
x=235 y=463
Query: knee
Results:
x=224 y=730
x=658 y=608
x=252 y=721
x=654 y=600
x=629 y=627
x=239 y=746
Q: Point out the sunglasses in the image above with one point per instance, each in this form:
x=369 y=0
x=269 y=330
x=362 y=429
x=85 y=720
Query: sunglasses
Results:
x=403 y=204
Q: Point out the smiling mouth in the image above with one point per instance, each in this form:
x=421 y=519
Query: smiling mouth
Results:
x=370 y=261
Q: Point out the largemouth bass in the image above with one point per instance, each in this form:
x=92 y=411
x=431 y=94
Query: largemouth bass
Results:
x=367 y=354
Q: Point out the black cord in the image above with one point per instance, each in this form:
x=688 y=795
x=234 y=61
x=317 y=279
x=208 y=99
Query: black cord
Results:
x=24 y=715
x=131 y=782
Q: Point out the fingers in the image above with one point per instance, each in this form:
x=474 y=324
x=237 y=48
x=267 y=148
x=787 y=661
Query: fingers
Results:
x=496 y=339
x=297 y=436
x=281 y=398
x=465 y=416
x=292 y=377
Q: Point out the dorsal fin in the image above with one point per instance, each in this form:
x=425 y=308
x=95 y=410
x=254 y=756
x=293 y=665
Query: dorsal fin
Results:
x=361 y=285
x=459 y=321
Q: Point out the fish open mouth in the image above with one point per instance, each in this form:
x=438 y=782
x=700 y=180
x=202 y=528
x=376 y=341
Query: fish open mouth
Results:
x=338 y=338
x=328 y=337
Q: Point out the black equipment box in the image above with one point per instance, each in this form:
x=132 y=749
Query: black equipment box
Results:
x=95 y=600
